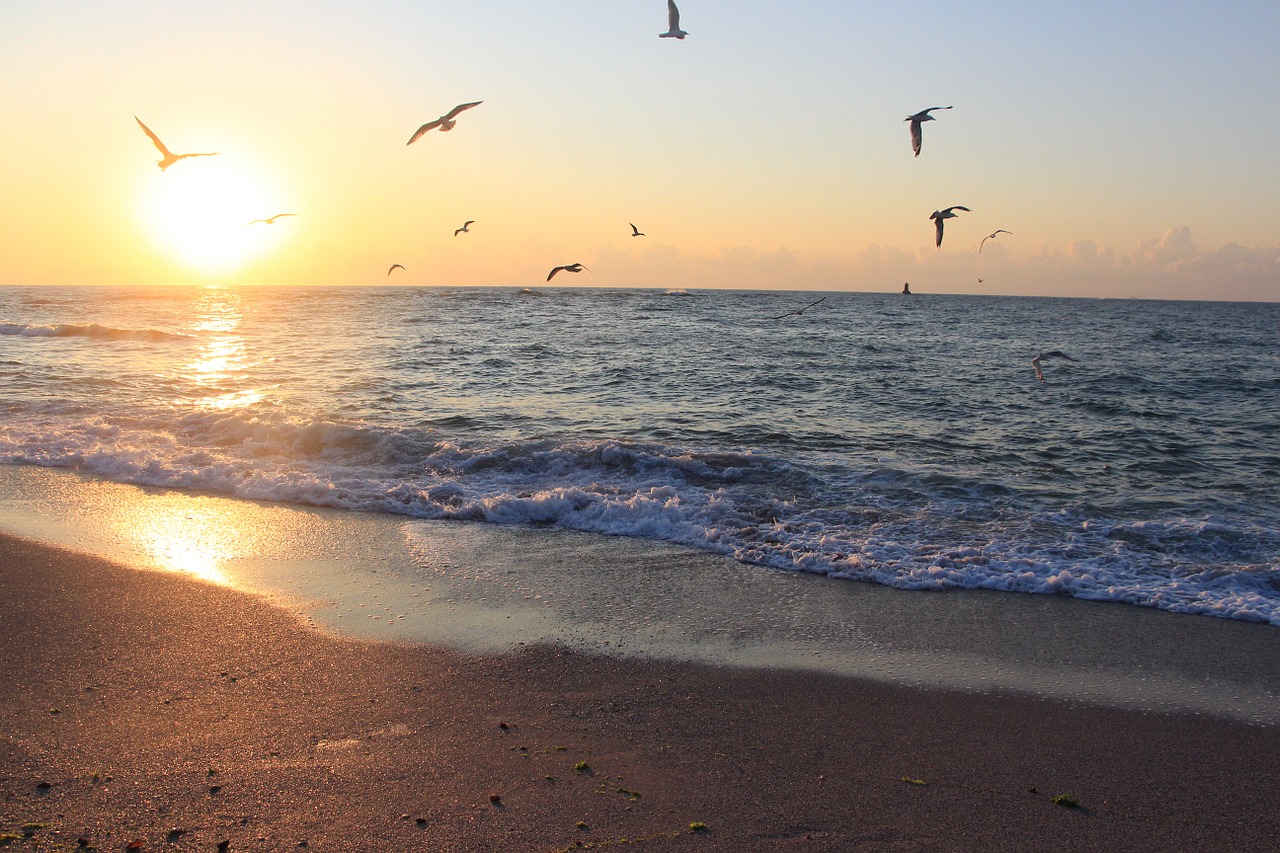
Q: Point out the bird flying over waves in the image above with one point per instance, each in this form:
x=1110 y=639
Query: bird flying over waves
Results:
x=168 y=158
x=800 y=311
x=465 y=229
x=939 y=215
x=991 y=236
x=271 y=220
x=567 y=268
x=673 y=23
x=915 y=120
x=635 y=232
x=1035 y=362
x=445 y=122
x=394 y=267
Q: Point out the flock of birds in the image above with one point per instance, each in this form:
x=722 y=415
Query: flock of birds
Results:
x=449 y=120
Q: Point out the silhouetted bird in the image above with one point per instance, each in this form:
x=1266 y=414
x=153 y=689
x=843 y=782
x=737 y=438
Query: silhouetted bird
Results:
x=271 y=220
x=991 y=236
x=445 y=122
x=1035 y=362
x=635 y=232
x=567 y=268
x=939 y=215
x=465 y=229
x=673 y=23
x=168 y=158
x=915 y=120
x=394 y=267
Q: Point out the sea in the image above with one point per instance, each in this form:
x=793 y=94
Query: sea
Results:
x=871 y=438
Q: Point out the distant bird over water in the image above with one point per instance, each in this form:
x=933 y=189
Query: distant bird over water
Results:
x=271 y=220
x=635 y=232
x=939 y=215
x=445 y=122
x=394 y=267
x=566 y=268
x=673 y=23
x=465 y=229
x=915 y=120
x=799 y=311
x=992 y=236
x=1035 y=362
x=168 y=158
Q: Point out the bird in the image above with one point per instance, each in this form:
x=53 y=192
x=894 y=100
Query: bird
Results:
x=991 y=236
x=465 y=229
x=635 y=232
x=673 y=23
x=394 y=266
x=566 y=268
x=915 y=120
x=445 y=122
x=169 y=157
x=800 y=311
x=939 y=215
x=271 y=220
x=1035 y=362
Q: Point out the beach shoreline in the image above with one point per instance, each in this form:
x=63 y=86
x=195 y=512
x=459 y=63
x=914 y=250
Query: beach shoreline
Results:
x=151 y=706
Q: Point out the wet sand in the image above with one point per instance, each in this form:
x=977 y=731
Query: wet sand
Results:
x=149 y=706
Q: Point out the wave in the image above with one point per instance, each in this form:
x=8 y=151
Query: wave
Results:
x=92 y=330
x=901 y=526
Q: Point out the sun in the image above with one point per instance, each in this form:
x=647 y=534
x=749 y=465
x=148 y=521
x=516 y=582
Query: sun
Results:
x=198 y=211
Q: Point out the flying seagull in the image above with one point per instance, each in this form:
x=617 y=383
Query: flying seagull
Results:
x=445 y=122
x=635 y=232
x=673 y=23
x=991 y=236
x=915 y=120
x=271 y=220
x=169 y=157
x=465 y=229
x=1035 y=362
x=801 y=311
x=566 y=268
x=939 y=215
x=393 y=267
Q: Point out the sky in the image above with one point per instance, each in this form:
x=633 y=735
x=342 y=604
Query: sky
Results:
x=1130 y=148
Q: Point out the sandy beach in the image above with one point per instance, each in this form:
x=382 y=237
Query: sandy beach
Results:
x=150 y=707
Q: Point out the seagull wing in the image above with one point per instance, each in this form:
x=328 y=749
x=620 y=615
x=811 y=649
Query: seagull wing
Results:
x=551 y=274
x=938 y=240
x=1055 y=354
x=957 y=207
x=673 y=16
x=416 y=136
x=449 y=116
x=1035 y=363
x=916 y=136
x=394 y=266
x=155 y=140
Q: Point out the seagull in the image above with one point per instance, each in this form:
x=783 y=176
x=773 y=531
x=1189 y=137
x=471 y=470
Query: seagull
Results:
x=566 y=268
x=673 y=23
x=465 y=229
x=1035 y=362
x=271 y=220
x=915 y=120
x=801 y=311
x=445 y=122
x=169 y=157
x=939 y=215
x=394 y=266
x=635 y=232
x=991 y=236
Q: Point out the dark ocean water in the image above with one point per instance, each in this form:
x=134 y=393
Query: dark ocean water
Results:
x=900 y=440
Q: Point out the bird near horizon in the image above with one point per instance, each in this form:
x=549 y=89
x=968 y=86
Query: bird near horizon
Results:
x=673 y=23
x=635 y=232
x=922 y=116
x=1035 y=362
x=444 y=123
x=799 y=311
x=566 y=268
x=992 y=236
x=394 y=267
x=465 y=229
x=939 y=215
x=168 y=158
x=271 y=220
